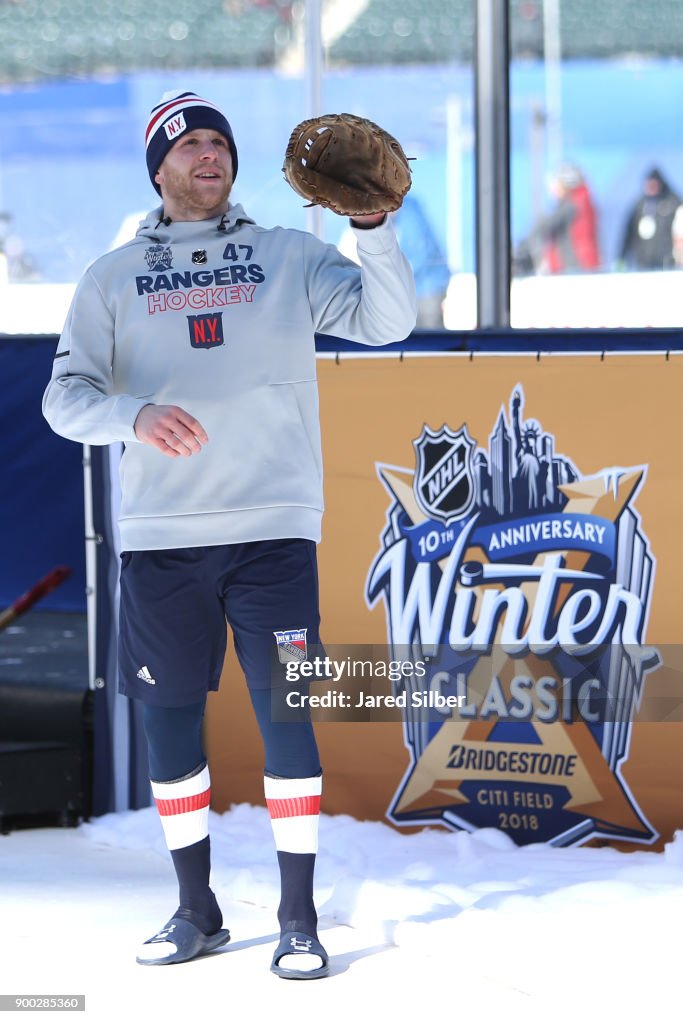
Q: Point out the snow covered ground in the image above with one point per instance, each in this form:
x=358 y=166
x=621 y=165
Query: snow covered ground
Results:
x=432 y=925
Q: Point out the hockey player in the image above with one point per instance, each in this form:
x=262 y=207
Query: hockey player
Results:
x=193 y=344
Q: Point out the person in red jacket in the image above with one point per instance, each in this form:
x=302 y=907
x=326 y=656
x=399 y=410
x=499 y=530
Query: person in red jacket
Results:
x=565 y=240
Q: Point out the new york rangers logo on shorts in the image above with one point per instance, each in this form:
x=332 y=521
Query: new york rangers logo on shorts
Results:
x=291 y=645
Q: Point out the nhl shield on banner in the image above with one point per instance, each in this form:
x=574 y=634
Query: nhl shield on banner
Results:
x=525 y=588
x=443 y=478
x=291 y=645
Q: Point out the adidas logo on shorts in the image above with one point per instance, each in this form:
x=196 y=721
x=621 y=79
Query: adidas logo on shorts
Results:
x=145 y=676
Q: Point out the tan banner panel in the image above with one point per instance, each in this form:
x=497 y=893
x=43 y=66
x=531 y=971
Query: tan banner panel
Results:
x=512 y=522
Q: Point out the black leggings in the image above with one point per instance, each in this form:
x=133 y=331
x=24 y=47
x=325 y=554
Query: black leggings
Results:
x=174 y=741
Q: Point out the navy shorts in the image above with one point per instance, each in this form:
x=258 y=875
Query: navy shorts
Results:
x=174 y=608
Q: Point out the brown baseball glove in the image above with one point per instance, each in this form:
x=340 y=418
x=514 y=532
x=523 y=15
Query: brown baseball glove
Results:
x=348 y=164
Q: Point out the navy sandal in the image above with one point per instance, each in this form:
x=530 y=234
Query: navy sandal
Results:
x=298 y=944
x=188 y=940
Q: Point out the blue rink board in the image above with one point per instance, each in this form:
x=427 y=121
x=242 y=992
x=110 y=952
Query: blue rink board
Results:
x=507 y=341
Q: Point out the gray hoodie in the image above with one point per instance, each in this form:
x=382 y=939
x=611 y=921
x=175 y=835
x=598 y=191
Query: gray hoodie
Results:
x=218 y=317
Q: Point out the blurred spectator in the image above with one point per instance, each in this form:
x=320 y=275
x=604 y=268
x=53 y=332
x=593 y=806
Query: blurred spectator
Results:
x=564 y=240
x=420 y=244
x=421 y=247
x=17 y=265
x=4 y=269
x=647 y=243
x=677 y=236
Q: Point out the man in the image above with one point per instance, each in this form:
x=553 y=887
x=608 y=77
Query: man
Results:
x=648 y=239
x=565 y=240
x=193 y=344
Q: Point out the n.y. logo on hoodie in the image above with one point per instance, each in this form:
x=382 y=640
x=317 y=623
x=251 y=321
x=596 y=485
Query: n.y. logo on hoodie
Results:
x=206 y=331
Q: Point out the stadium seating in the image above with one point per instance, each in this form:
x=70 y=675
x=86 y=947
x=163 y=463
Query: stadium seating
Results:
x=394 y=31
x=621 y=28
x=66 y=38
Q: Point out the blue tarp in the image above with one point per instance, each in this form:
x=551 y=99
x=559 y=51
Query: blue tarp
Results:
x=41 y=512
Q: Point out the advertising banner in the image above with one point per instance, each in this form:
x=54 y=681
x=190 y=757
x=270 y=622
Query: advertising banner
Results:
x=506 y=526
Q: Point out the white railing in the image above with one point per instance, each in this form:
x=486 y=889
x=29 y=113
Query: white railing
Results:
x=596 y=300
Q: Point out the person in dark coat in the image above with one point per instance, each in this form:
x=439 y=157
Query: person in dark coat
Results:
x=647 y=243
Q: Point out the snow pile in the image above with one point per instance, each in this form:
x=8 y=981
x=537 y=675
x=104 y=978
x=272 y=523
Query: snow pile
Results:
x=465 y=899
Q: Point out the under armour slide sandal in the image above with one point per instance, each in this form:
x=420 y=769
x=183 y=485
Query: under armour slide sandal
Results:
x=306 y=950
x=179 y=941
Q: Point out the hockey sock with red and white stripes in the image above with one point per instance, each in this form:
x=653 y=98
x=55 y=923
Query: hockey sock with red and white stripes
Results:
x=294 y=808
x=183 y=805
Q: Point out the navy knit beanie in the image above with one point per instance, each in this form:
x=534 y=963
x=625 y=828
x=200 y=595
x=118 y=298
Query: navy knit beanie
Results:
x=176 y=114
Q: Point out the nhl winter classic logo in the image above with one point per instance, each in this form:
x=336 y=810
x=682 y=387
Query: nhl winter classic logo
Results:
x=443 y=486
x=526 y=586
x=291 y=645
x=159 y=257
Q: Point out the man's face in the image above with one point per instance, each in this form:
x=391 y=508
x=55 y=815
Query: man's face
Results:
x=196 y=175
